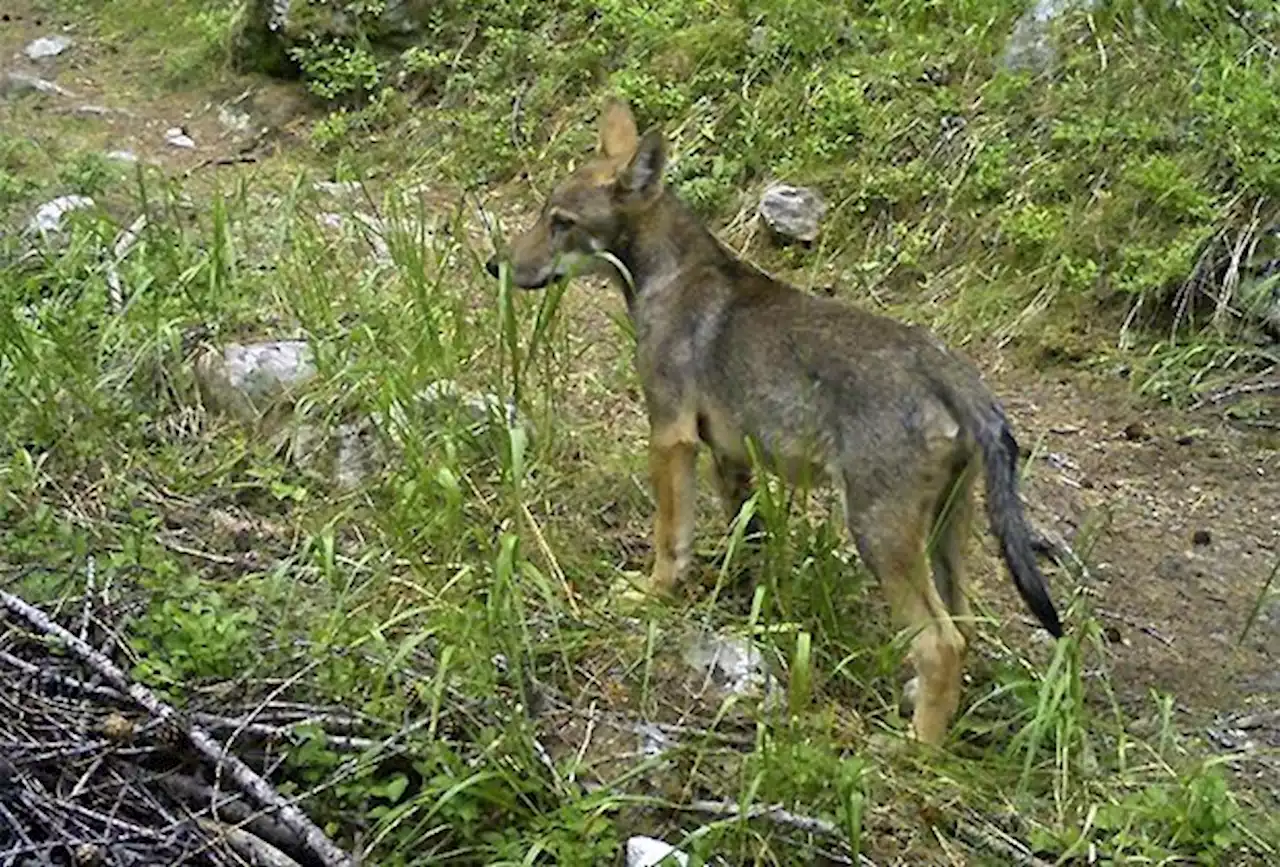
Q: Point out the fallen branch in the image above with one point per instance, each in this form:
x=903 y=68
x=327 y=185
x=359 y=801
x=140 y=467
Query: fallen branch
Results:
x=990 y=837
x=227 y=808
x=1237 y=392
x=247 y=846
x=218 y=724
x=249 y=782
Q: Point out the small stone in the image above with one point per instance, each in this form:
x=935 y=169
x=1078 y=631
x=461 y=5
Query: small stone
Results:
x=234 y=120
x=792 y=213
x=648 y=852
x=1111 y=633
x=125 y=156
x=1185 y=439
x=1201 y=538
x=95 y=110
x=653 y=740
x=358 y=454
x=732 y=664
x=47 y=46
x=177 y=137
x=480 y=406
x=1135 y=431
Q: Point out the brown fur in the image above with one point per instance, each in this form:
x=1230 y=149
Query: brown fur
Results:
x=726 y=352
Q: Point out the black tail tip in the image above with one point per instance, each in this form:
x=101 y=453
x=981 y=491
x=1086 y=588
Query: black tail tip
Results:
x=1049 y=620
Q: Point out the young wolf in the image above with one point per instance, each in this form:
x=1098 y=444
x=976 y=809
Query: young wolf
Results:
x=726 y=352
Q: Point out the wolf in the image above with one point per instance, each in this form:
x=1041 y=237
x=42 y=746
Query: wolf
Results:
x=729 y=355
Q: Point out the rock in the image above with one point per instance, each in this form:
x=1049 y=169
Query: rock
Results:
x=257 y=383
x=482 y=407
x=648 y=852
x=1135 y=431
x=92 y=110
x=234 y=120
x=267 y=29
x=50 y=218
x=16 y=83
x=1030 y=46
x=1201 y=538
x=730 y=663
x=792 y=213
x=248 y=380
x=358 y=454
x=124 y=156
x=47 y=46
x=653 y=740
x=176 y=136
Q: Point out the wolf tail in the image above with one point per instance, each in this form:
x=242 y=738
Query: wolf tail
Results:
x=1008 y=520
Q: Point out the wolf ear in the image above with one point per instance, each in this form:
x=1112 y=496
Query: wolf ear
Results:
x=617 y=129
x=642 y=177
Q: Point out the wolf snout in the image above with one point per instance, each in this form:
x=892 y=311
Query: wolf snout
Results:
x=492 y=266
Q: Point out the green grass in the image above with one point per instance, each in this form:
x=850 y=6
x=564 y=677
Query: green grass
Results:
x=396 y=598
x=462 y=593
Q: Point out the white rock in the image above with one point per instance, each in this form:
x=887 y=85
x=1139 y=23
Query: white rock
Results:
x=648 y=852
x=793 y=213
x=246 y=379
x=481 y=406
x=731 y=663
x=124 y=156
x=50 y=217
x=653 y=740
x=233 y=119
x=177 y=137
x=358 y=454
x=47 y=46
x=1030 y=46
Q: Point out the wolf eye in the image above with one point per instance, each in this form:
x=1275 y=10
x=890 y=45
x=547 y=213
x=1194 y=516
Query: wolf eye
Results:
x=560 y=223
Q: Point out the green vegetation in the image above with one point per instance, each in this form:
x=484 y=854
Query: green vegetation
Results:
x=463 y=592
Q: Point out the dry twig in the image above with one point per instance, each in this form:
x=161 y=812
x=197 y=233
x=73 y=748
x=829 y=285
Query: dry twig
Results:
x=248 y=781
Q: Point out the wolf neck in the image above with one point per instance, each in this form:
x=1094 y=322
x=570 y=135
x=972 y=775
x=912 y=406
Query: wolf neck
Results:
x=661 y=243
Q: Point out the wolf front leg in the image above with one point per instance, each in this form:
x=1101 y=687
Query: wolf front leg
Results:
x=673 y=455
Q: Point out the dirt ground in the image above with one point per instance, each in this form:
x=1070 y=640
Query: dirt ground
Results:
x=1188 y=516
x=1184 y=510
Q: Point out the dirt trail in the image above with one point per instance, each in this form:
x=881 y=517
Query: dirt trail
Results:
x=1186 y=509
